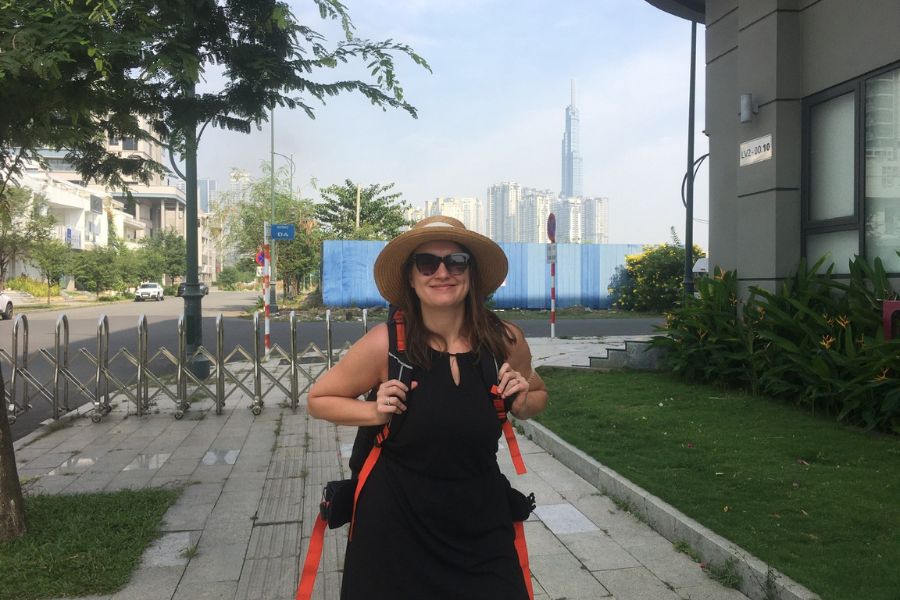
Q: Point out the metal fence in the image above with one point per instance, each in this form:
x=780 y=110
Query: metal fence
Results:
x=145 y=380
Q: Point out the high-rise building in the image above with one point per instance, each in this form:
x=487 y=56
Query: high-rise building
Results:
x=206 y=191
x=571 y=152
x=503 y=211
x=595 y=213
x=533 y=213
x=467 y=210
x=569 y=220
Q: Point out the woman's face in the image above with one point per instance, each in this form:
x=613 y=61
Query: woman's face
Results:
x=441 y=288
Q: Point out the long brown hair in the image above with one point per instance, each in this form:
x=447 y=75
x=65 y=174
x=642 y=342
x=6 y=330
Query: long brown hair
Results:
x=481 y=327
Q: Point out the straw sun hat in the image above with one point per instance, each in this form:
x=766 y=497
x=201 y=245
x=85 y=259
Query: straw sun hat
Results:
x=391 y=274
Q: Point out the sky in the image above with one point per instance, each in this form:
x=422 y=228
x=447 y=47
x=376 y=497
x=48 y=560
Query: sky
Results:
x=493 y=109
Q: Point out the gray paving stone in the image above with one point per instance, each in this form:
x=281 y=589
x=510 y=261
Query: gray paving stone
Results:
x=562 y=576
x=50 y=460
x=202 y=493
x=710 y=590
x=185 y=517
x=282 y=501
x=91 y=482
x=170 y=549
x=152 y=583
x=241 y=481
x=598 y=552
x=541 y=540
x=131 y=480
x=214 y=474
x=205 y=590
x=635 y=584
x=671 y=566
x=269 y=579
x=51 y=484
x=215 y=562
x=564 y=518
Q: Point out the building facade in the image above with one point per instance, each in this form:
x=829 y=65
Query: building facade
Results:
x=468 y=210
x=595 y=212
x=503 y=201
x=803 y=119
x=535 y=209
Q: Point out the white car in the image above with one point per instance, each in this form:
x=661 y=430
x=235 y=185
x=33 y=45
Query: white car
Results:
x=6 y=307
x=149 y=291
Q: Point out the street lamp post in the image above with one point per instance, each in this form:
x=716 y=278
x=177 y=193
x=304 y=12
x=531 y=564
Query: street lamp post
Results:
x=273 y=304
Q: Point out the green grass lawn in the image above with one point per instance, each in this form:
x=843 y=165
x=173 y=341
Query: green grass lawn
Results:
x=80 y=544
x=817 y=501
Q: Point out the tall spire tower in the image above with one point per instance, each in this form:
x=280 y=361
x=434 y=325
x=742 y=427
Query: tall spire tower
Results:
x=571 y=152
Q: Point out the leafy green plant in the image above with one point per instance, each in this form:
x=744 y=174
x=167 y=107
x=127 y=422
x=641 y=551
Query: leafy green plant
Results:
x=652 y=280
x=31 y=286
x=817 y=341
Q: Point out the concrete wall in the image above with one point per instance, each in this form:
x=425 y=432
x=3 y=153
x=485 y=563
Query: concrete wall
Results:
x=781 y=51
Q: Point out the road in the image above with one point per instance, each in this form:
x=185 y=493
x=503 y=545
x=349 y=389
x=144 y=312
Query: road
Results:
x=162 y=320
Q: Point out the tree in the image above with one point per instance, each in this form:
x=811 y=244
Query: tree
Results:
x=67 y=82
x=653 y=280
x=164 y=252
x=12 y=513
x=243 y=221
x=23 y=223
x=95 y=269
x=51 y=257
x=380 y=214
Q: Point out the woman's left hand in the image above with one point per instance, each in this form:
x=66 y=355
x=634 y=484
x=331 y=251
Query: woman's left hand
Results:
x=512 y=383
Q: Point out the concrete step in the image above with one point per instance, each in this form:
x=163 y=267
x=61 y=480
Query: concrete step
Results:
x=637 y=354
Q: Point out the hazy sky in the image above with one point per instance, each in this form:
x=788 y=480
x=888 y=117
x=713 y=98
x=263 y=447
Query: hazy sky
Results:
x=493 y=108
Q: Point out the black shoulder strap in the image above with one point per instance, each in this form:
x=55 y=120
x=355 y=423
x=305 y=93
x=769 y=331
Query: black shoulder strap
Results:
x=398 y=368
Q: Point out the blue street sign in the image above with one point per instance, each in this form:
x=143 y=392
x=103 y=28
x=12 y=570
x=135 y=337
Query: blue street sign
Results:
x=282 y=232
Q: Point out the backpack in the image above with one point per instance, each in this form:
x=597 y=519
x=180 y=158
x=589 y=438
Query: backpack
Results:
x=339 y=498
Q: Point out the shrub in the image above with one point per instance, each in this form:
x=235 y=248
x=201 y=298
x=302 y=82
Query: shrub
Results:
x=32 y=286
x=653 y=280
x=817 y=341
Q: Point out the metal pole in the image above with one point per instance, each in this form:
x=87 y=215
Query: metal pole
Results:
x=142 y=388
x=272 y=299
x=689 y=213
x=181 y=380
x=295 y=396
x=329 y=359
x=267 y=301
x=220 y=364
x=257 y=372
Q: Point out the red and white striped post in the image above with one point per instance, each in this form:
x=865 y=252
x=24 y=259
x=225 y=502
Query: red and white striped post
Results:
x=267 y=282
x=551 y=258
x=553 y=296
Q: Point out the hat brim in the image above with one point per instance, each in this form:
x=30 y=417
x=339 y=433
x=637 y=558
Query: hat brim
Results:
x=391 y=276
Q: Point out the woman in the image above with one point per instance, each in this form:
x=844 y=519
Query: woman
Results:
x=433 y=519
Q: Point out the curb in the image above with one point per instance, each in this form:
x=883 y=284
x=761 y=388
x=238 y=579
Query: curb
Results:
x=41 y=431
x=669 y=522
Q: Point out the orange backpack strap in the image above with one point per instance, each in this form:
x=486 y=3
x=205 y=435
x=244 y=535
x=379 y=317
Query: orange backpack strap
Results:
x=509 y=433
x=313 y=557
x=522 y=551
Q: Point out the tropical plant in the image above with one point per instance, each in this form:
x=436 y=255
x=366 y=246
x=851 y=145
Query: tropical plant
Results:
x=817 y=341
x=24 y=222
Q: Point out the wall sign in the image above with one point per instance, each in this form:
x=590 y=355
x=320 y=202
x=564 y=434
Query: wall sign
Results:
x=757 y=150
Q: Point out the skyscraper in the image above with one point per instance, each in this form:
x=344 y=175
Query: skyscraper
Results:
x=596 y=220
x=467 y=210
x=571 y=152
x=503 y=211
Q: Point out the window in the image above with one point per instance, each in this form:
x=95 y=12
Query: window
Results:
x=129 y=143
x=851 y=179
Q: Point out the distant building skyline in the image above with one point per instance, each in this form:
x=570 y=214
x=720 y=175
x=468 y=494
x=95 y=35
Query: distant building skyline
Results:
x=571 y=152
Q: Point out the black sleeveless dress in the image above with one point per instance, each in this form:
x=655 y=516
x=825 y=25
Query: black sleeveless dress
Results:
x=433 y=520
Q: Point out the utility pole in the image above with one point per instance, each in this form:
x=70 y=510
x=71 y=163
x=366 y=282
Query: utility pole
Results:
x=689 y=204
x=273 y=304
x=358 y=193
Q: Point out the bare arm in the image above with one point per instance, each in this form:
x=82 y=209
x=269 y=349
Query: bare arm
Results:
x=334 y=397
x=518 y=379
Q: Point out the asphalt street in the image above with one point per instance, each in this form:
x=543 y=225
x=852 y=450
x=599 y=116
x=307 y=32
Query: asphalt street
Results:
x=162 y=320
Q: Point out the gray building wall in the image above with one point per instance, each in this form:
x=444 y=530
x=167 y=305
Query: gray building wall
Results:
x=781 y=51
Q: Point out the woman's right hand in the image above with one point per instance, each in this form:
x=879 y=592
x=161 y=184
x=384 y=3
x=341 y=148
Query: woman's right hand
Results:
x=391 y=398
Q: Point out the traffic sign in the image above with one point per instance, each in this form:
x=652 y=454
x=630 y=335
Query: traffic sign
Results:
x=551 y=228
x=282 y=232
x=551 y=253
x=260 y=257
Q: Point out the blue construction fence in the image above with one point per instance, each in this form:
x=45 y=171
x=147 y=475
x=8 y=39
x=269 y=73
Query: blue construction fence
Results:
x=583 y=273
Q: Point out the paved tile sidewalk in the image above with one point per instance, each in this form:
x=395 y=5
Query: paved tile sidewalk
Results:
x=252 y=487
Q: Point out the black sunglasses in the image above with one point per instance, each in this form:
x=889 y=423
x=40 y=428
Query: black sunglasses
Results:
x=428 y=264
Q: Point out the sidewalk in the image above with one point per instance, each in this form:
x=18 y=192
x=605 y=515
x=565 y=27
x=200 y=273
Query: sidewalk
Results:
x=252 y=487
